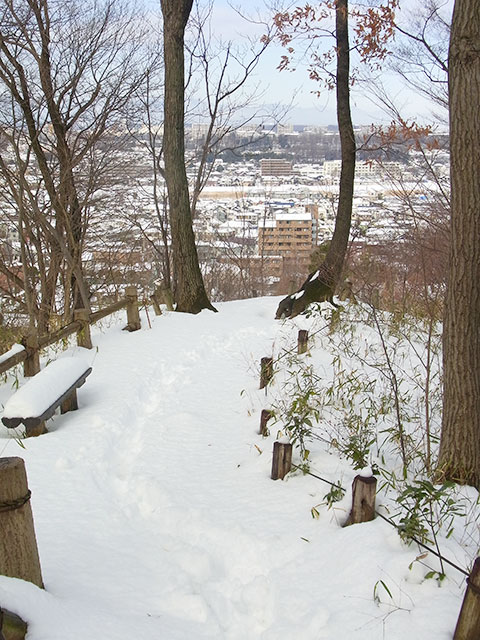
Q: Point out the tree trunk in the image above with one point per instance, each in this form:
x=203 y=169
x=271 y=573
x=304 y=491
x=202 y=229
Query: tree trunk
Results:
x=459 y=458
x=333 y=265
x=190 y=292
x=321 y=286
x=68 y=205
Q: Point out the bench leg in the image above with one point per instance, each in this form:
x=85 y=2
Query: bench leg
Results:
x=70 y=403
x=38 y=430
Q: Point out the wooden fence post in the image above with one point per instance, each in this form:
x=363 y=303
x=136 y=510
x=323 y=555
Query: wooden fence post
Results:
x=266 y=371
x=264 y=418
x=155 y=300
x=166 y=294
x=363 y=500
x=31 y=365
x=282 y=459
x=302 y=341
x=468 y=624
x=346 y=292
x=84 y=337
x=133 y=315
x=18 y=545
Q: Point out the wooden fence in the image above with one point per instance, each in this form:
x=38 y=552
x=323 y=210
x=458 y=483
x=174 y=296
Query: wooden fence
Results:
x=30 y=356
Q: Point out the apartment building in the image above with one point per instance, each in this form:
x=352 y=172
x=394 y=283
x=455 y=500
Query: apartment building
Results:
x=275 y=167
x=365 y=170
x=289 y=234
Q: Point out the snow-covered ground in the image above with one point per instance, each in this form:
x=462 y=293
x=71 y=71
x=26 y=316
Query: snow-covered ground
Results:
x=156 y=517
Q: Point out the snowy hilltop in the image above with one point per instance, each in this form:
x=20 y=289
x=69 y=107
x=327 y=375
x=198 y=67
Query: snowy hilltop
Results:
x=156 y=517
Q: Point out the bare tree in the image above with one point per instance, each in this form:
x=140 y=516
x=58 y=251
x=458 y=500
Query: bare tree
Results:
x=222 y=72
x=333 y=263
x=373 y=28
x=155 y=230
x=218 y=93
x=420 y=57
x=190 y=291
x=459 y=458
x=67 y=74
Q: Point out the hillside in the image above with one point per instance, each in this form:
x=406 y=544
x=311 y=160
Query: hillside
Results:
x=156 y=517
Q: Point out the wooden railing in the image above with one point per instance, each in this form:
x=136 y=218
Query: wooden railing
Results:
x=30 y=356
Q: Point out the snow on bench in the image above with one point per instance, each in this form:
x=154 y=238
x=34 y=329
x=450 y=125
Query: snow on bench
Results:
x=53 y=387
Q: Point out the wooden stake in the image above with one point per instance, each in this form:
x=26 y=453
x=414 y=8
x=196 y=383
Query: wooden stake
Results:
x=31 y=366
x=155 y=299
x=363 y=500
x=18 y=545
x=264 y=418
x=302 y=341
x=346 y=292
x=133 y=315
x=266 y=371
x=167 y=296
x=282 y=460
x=84 y=338
x=468 y=624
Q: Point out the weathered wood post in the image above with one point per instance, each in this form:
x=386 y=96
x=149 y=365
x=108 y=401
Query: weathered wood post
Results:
x=167 y=297
x=264 y=418
x=468 y=624
x=363 y=500
x=31 y=365
x=266 y=371
x=155 y=300
x=133 y=315
x=302 y=341
x=282 y=459
x=18 y=545
x=346 y=292
x=84 y=337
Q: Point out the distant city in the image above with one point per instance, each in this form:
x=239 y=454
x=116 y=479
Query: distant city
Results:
x=268 y=200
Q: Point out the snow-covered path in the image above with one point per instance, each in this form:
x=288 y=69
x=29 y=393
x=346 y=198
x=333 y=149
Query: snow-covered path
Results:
x=156 y=517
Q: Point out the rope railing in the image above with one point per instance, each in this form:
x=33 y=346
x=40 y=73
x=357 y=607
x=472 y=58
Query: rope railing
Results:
x=285 y=469
x=363 y=503
x=390 y=522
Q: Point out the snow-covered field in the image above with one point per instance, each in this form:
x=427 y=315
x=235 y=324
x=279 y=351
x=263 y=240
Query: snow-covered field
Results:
x=156 y=517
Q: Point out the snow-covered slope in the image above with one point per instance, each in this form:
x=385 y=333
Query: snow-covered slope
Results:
x=156 y=517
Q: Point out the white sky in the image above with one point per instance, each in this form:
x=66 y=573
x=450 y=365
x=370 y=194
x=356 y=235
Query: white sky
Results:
x=285 y=87
x=296 y=88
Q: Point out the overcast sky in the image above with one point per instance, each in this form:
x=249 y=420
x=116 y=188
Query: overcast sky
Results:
x=295 y=87
x=284 y=87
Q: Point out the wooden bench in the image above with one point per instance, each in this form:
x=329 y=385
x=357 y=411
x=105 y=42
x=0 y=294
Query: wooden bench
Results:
x=38 y=399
